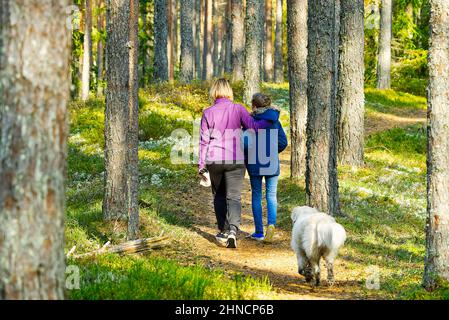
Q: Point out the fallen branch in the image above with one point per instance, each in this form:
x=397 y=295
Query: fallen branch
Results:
x=135 y=246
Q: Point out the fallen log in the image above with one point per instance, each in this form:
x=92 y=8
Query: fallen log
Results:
x=130 y=247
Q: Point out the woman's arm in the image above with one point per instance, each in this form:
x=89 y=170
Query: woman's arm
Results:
x=282 y=139
x=204 y=143
x=249 y=122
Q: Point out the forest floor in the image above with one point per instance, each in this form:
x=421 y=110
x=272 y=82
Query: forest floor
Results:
x=383 y=202
x=276 y=260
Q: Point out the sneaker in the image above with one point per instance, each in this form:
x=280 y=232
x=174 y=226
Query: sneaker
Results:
x=257 y=236
x=270 y=233
x=221 y=237
x=232 y=240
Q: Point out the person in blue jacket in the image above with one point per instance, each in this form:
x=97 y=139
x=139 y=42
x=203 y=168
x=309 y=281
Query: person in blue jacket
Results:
x=262 y=150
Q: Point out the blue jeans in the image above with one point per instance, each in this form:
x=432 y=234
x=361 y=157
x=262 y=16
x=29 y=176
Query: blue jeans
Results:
x=271 y=183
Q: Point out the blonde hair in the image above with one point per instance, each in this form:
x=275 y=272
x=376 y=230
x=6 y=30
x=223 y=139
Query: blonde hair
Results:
x=221 y=88
x=260 y=100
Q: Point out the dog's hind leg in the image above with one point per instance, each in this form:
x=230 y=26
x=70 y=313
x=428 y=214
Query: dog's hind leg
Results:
x=330 y=258
x=302 y=262
x=315 y=271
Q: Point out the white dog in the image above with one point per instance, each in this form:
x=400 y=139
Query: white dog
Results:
x=315 y=235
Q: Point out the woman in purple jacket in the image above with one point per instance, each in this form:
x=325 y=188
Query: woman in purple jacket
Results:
x=222 y=156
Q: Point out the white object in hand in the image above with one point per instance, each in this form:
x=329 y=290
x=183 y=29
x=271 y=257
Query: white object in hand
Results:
x=205 y=180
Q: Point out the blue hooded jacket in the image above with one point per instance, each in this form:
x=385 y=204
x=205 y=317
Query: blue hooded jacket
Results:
x=262 y=148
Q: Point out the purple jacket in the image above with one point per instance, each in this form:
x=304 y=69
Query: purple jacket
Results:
x=221 y=128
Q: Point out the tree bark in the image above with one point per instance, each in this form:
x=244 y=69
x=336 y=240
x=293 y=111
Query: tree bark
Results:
x=133 y=125
x=437 y=227
x=160 y=41
x=351 y=97
x=100 y=49
x=87 y=51
x=34 y=92
x=322 y=62
x=238 y=43
x=121 y=120
x=268 y=52
x=384 y=55
x=297 y=63
x=208 y=43
x=253 y=48
x=216 y=48
x=221 y=44
x=228 y=38
x=197 y=35
x=171 y=40
x=187 y=49
x=278 y=44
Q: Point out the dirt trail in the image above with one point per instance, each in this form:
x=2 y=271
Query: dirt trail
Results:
x=277 y=260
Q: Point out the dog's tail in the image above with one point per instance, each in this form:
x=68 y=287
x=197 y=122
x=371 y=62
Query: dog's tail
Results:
x=333 y=234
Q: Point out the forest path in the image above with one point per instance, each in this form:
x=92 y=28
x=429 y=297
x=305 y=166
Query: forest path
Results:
x=277 y=261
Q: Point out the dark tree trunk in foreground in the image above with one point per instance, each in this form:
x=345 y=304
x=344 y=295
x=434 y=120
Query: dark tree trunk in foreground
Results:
x=437 y=239
x=322 y=61
x=384 y=56
x=351 y=97
x=100 y=50
x=87 y=51
x=297 y=63
x=268 y=52
x=121 y=125
x=253 y=47
x=238 y=39
x=278 y=44
x=187 y=44
x=33 y=146
x=160 y=41
x=207 y=41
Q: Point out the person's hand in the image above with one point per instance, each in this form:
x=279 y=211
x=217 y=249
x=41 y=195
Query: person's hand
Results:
x=202 y=174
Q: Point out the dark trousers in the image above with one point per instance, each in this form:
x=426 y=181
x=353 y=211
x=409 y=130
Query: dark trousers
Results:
x=227 y=183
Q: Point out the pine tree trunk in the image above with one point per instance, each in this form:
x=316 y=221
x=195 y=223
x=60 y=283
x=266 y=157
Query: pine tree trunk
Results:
x=437 y=226
x=100 y=50
x=176 y=36
x=197 y=35
x=278 y=44
x=187 y=49
x=87 y=51
x=238 y=36
x=170 y=41
x=121 y=125
x=297 y=63
x=216 y=51
x=253 y=47
x=208 y=43
x=384 y=56
x=268 y=52
x=160 y=41
x=322 y=62
x=221 y=44
x=228 y=54
x=133 y=125
x=34 y=92
x=351 y=97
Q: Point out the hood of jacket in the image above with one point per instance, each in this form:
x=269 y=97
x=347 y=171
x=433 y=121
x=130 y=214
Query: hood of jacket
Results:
x=270 y=113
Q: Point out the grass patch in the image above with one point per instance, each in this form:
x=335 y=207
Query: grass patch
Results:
x=112 y=277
